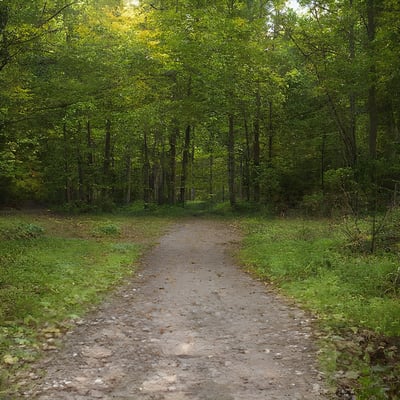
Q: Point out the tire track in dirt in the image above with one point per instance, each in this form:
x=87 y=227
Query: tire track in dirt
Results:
x=189 y=325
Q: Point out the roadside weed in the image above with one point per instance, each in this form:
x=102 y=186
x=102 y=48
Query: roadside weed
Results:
x=53 y=269
x=354 y=294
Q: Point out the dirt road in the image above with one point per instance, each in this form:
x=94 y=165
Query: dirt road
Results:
x=190 y=325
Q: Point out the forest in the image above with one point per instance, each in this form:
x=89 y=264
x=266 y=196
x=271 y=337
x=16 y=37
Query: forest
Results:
x=279 y=119
x=108 y=102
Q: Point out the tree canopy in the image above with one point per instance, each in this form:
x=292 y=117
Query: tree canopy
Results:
x=109 y=102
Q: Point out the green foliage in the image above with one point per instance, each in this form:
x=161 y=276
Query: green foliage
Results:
x=95 y=99
x=314 y=204
x=21 y=231
x=47 y=282
x=351 y=293
x=375 y=233
x=108 y=229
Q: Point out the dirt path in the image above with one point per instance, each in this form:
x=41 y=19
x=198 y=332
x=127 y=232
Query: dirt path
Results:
x=191 y=325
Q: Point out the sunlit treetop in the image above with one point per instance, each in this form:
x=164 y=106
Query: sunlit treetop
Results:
x=132 y=3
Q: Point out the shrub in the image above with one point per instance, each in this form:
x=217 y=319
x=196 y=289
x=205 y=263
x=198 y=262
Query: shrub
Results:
x=108 y=229
x=21 y=231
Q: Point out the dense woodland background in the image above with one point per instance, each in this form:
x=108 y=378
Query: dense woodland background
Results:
x=105 y=102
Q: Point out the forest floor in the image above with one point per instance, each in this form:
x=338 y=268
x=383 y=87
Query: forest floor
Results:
x=191 y=324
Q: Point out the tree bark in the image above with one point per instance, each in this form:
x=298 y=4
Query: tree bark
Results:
x=146 y=170
x=80 y=167
x=185 y=164
x=211 y=140
x=107 y=157
x=270 y=135
x=256 y=148
x=172 y=165
x=90 y=162
x=231 y=161
x=372 y=104
x=247 y=177
x=68 y=196
x=128 y=178
x=352 y=98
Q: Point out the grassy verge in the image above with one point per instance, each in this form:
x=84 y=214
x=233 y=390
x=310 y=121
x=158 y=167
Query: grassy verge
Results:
x=52 y=270
x=354 y=294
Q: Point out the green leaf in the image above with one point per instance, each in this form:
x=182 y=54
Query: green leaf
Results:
x=10 y=360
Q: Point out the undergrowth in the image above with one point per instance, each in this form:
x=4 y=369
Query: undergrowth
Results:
x=52 y=270
x=354 y=294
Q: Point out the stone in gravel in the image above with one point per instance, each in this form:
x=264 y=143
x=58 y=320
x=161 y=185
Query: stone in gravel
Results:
x=97 y=352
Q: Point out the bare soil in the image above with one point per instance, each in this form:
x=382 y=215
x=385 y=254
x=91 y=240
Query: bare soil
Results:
x=190 y=325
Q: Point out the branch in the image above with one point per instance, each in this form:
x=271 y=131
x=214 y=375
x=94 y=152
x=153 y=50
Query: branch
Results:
x=44 y=8
x=331 y=102
x=47 y=20
x=157 y=8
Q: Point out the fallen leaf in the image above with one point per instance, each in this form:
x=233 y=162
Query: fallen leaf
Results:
x=9 y=359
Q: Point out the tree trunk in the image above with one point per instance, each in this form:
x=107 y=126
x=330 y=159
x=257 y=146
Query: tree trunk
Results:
x=211 y=140
x=163 y=188
x=128 y=178
x=211 y=175
x=172 y=165
x=256 y=149
x=90 y=162
x=352 y=98
x=185 y=164
x=146 y=170
x=231 y=161
x=270 y=135
x=68 y=196
x=373 y=121
x=107 y=158
x=323 y=149
x=247 y=178
x=80 y=165
x=372 y=104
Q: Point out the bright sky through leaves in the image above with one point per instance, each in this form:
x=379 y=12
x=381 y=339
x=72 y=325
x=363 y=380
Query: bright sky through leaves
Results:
x=294 y=4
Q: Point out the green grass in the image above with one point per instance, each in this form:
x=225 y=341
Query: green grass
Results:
x=53 y=269
x=354 y=294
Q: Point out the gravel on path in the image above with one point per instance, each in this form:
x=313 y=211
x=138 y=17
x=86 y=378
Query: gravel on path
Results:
x=189 y=325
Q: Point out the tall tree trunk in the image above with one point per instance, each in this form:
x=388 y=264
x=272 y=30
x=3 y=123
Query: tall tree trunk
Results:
x=247 y=177
x=68 y=196
x=270 y=134
x=373 y=121
x=256 y=148
x=172 y=165
x=211 y=164
x=185 y=164
x=231 y=161
x=107 y=159
x=128 y=178
x=211 y=174
x=352 y=97
x=146 y=170
x=192 y=155
x=323 y=149
x=163 y=189
x=90 y=162
x=372 y=104
x=80 y=165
